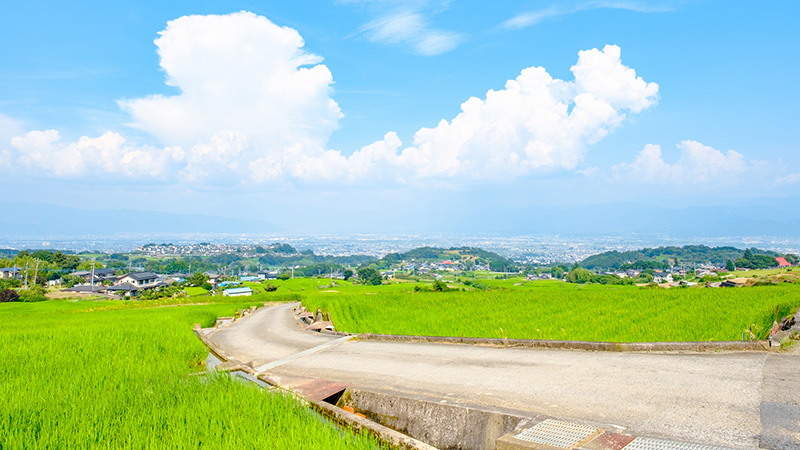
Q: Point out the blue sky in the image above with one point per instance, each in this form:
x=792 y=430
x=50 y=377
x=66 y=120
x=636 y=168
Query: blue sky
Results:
x=332 y=114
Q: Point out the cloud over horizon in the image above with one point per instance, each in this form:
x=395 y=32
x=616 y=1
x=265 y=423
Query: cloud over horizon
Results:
x=698 y=164
x=255 y=108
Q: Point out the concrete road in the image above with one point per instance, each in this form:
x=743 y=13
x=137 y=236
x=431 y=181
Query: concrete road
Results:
x=707 y=398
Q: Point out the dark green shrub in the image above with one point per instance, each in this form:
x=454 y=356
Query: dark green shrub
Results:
x=8 y=295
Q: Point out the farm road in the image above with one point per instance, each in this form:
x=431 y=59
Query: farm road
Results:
x=705 y=398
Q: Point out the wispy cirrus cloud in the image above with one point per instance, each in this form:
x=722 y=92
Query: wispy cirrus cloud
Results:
x=414 y=29
x=533 y=17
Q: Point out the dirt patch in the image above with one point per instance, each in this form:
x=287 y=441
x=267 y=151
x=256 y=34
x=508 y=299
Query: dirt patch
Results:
x=61 y=295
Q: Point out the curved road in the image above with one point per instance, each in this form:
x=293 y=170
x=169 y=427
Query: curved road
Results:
x=744 y=400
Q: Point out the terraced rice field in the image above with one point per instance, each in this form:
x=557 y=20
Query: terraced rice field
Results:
x=599 y=313
x=117 y=375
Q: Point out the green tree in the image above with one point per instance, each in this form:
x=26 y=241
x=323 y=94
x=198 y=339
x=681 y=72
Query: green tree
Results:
x=729 y=266
x=579 y=275
x=10 y=283
x=153 y=266
x=347 y=274
x=370 y=276
x=71 y=280
x=87 y=265
x=198 y=279
x=285 y=275
x=34 y=294
x=440 y=286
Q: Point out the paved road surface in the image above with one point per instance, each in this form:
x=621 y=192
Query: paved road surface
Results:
x=709 y=398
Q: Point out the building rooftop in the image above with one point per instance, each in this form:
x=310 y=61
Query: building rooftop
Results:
x=141 y=275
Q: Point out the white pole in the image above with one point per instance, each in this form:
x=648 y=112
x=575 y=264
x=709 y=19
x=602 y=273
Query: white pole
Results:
x=36 y=272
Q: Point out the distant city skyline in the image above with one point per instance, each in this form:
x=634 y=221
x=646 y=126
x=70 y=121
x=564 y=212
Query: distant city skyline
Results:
x=413 y=115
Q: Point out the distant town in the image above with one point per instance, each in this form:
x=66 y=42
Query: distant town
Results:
x=156 y=270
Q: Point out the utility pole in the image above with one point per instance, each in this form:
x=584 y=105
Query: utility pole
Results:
x=36 y=272
x=92 y=275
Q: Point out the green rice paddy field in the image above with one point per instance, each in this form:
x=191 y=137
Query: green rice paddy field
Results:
x=553 y=310
x=117 y=375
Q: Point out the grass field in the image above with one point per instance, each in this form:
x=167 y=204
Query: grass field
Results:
x=195 y=291
x=554 y=310
x=116 y=374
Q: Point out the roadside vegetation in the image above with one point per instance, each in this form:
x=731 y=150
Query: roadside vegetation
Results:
x=114 y=374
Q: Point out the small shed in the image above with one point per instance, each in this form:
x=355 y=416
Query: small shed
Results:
x=238 y=292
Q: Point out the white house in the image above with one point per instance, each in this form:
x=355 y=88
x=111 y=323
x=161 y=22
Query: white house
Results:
x=268 y=275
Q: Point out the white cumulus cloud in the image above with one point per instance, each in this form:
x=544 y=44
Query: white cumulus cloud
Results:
x=536 y=123
x=248 y=89
x=697 y=164
x=255 y=107
x=109 y=153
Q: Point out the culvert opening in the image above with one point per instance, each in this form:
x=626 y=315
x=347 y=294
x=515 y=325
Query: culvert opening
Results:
x=334 y=398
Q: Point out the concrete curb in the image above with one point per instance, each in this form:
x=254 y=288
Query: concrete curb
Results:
x=699 y=346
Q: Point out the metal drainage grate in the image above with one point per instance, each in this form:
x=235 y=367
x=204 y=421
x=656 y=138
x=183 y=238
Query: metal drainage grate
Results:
x=658 y=444
x=557 y=433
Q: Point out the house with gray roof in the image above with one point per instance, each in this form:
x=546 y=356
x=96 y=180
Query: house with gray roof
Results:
x=142 y=280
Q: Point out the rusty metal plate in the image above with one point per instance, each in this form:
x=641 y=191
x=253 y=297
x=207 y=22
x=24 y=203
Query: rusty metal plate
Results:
x=609 y=441
x=557 y=433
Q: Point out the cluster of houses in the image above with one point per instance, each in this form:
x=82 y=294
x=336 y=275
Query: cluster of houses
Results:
x=104 y=281
x=661 y=276
x=132 y=284
x=440 y=266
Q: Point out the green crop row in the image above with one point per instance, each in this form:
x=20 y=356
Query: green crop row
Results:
x=118 y=375
x=610 y=314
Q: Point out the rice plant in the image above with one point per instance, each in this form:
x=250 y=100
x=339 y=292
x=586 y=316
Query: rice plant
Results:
x=118 y=375
x=619 y=314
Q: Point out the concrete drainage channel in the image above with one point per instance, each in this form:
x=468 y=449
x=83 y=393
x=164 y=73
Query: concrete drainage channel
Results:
x=437 y=423
x=429 y=423
x=449 y=426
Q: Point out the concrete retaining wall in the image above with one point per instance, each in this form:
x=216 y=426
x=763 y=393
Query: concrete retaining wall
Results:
x=443 y=425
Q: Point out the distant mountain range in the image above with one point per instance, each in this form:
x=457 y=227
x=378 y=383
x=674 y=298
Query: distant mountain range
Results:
x=688 y=254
